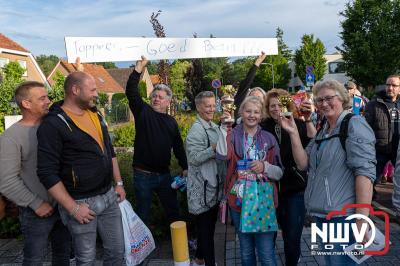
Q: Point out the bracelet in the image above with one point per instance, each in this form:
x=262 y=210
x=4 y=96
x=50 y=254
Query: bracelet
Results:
x=308 y=121
x=75 y=210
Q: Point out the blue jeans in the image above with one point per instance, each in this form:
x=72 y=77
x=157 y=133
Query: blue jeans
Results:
x=36 y=232
x=249 y=242
x=335 y=260
x=291 y=212
x=107 y=223
x=145 y=184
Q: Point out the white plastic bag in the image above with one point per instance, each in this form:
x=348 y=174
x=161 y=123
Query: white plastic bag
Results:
x=139 y=242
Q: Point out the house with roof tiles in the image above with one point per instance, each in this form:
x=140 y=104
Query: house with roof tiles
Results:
x=121 y=76
x=104 y=81
x=11 y=51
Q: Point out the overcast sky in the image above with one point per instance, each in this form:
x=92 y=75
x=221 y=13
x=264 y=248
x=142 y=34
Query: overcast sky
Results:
x=40 y=26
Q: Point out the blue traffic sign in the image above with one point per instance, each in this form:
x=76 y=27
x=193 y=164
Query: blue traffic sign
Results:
x=216 y=83
x=310 y=79
x=309 y=69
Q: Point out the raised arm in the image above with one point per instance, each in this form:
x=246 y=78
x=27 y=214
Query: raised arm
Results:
x=136 y=102
x=246 y=83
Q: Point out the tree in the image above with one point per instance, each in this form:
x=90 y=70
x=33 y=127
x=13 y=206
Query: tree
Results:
x=107 y=65
x=370 y=35
x=194 y=80
x=177 y=78
x=279 y=63
x=152 y=68
x=281 y=70
x=283 y=49
x=11 y=77
x=163 y=66
x=103 y=99
x=240 y=69
x=56 y=92
x=310 y=53
x=47 y=63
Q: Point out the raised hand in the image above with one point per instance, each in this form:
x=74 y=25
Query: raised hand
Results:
x=140 y=64
x=307 y=108
x=225 y=116
x=260 y=59
x=79 y=66
x=288 y=124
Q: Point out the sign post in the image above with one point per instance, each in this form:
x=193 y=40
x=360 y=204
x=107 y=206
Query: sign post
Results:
x=216 y=84
x=310 y=77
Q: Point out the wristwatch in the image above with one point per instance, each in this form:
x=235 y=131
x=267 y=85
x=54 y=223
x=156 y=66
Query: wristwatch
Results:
x=120 y=183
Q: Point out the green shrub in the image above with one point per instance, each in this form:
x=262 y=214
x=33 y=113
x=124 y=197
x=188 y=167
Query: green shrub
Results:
x=124 y=136
x=185 y=121
x=9 y=227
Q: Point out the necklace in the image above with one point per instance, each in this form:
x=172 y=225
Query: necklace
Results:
x=278 y=132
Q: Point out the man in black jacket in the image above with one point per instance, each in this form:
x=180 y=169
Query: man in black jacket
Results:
x=77 y=164
x=156 y=134
x=383 y=115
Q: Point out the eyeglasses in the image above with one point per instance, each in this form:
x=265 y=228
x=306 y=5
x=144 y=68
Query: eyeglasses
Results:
x=327 y=99
x=392 y=85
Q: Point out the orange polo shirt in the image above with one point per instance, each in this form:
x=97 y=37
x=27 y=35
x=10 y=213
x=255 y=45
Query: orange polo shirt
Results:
x=88 y=122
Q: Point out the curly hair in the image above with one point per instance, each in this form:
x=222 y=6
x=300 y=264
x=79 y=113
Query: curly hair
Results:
x=275 y=93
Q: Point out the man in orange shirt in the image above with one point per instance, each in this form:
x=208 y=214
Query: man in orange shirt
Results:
x=77 y=164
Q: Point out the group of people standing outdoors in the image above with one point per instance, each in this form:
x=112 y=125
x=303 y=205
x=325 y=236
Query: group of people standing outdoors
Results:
x=270 y=168
x=309 y=171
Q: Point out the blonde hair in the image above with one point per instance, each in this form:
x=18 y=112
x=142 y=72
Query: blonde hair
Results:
x=336 y=86
x=253 y=100
x=275 y=93
x=250 y=91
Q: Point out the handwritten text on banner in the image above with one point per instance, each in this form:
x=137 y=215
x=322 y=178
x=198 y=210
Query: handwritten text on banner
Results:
x=107 y=49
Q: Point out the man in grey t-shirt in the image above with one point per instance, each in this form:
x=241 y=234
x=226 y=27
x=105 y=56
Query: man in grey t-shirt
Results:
x=18 y=180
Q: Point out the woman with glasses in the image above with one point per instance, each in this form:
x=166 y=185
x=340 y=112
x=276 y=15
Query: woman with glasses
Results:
x=337 y=175
x=291 y=210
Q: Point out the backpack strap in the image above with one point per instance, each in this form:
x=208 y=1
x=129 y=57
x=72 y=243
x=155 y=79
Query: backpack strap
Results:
x=344 y=128
x=343 y=131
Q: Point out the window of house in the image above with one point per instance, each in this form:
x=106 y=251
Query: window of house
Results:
x=336 y=67
x=22 y=63
x=3 y=62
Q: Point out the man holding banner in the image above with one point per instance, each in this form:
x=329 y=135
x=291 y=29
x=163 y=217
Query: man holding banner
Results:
x=156 y=134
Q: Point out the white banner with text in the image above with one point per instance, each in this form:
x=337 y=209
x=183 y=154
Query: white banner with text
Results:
x=110 y=49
